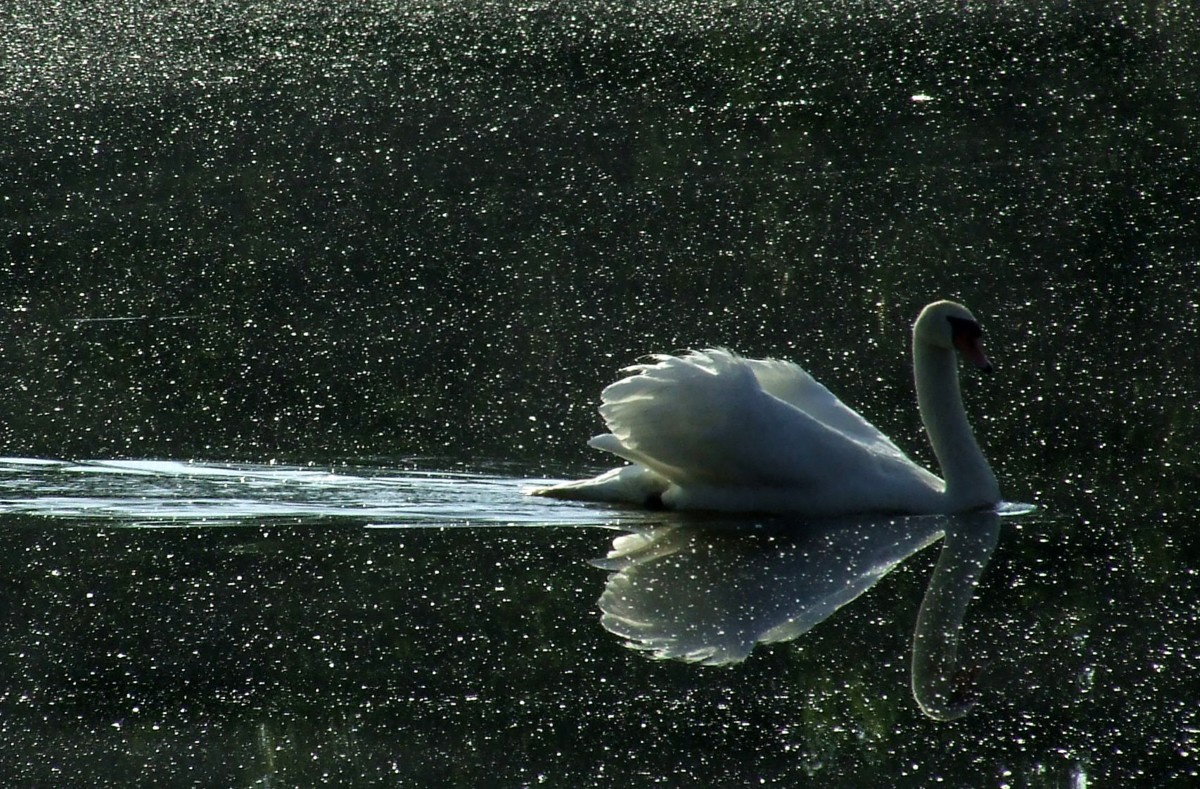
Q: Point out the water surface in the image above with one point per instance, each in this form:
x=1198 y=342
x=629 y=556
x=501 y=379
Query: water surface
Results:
x=312 y=625
x=167 y=493
x=297 y=300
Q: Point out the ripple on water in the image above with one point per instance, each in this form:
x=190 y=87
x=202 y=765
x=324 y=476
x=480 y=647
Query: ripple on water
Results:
x=181 y=493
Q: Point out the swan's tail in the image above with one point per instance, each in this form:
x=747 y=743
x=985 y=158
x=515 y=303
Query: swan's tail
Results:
x=626 y=485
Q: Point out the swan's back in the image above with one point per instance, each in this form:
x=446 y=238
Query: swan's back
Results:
x=728 y=433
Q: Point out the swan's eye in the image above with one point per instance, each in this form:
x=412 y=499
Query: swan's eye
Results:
x=964 y=329
x=967 y=336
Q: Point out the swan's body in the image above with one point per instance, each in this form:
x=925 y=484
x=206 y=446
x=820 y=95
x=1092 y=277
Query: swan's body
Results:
x=713 y=431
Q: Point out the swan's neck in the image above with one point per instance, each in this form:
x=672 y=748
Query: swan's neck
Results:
x=969 y=479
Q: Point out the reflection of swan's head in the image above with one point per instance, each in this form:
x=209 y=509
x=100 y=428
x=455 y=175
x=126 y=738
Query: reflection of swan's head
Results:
x=952 y=697
x=947 y=325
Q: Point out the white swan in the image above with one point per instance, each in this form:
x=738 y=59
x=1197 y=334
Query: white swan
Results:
x=713 y=431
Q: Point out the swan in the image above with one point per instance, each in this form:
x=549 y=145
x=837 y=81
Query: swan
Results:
x=711 y=430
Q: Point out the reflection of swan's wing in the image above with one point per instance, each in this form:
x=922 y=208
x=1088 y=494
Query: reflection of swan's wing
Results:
x=644 y=603
x=706 y=421
x=689 y=629
x=851 y=586
x=638 y=548
x=709 y=598
x=680 y=594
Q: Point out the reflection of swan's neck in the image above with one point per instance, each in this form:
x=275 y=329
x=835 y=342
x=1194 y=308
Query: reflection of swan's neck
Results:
x=942 y=688
x=969 y=479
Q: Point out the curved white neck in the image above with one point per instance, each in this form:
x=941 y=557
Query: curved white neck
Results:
x=970 y=482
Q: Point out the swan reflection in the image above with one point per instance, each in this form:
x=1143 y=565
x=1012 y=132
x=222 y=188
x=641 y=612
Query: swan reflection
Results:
x=707 y=594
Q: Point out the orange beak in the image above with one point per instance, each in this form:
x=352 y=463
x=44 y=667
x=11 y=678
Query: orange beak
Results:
x=972 y=350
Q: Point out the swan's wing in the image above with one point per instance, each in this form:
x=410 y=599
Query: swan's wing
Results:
x=706 y=419
x=792 y=384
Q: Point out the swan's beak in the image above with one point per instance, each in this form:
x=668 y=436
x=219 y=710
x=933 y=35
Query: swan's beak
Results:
x=972 y=350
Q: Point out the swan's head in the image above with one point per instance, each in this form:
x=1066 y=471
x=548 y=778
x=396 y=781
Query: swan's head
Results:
x=945 y=324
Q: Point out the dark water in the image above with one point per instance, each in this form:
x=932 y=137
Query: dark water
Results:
x=356 y=275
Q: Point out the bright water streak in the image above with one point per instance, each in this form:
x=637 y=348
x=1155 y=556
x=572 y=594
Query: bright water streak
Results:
x=180 y=493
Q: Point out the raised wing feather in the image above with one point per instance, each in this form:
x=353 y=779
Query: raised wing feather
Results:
x=711 y=418
x=795 y=386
